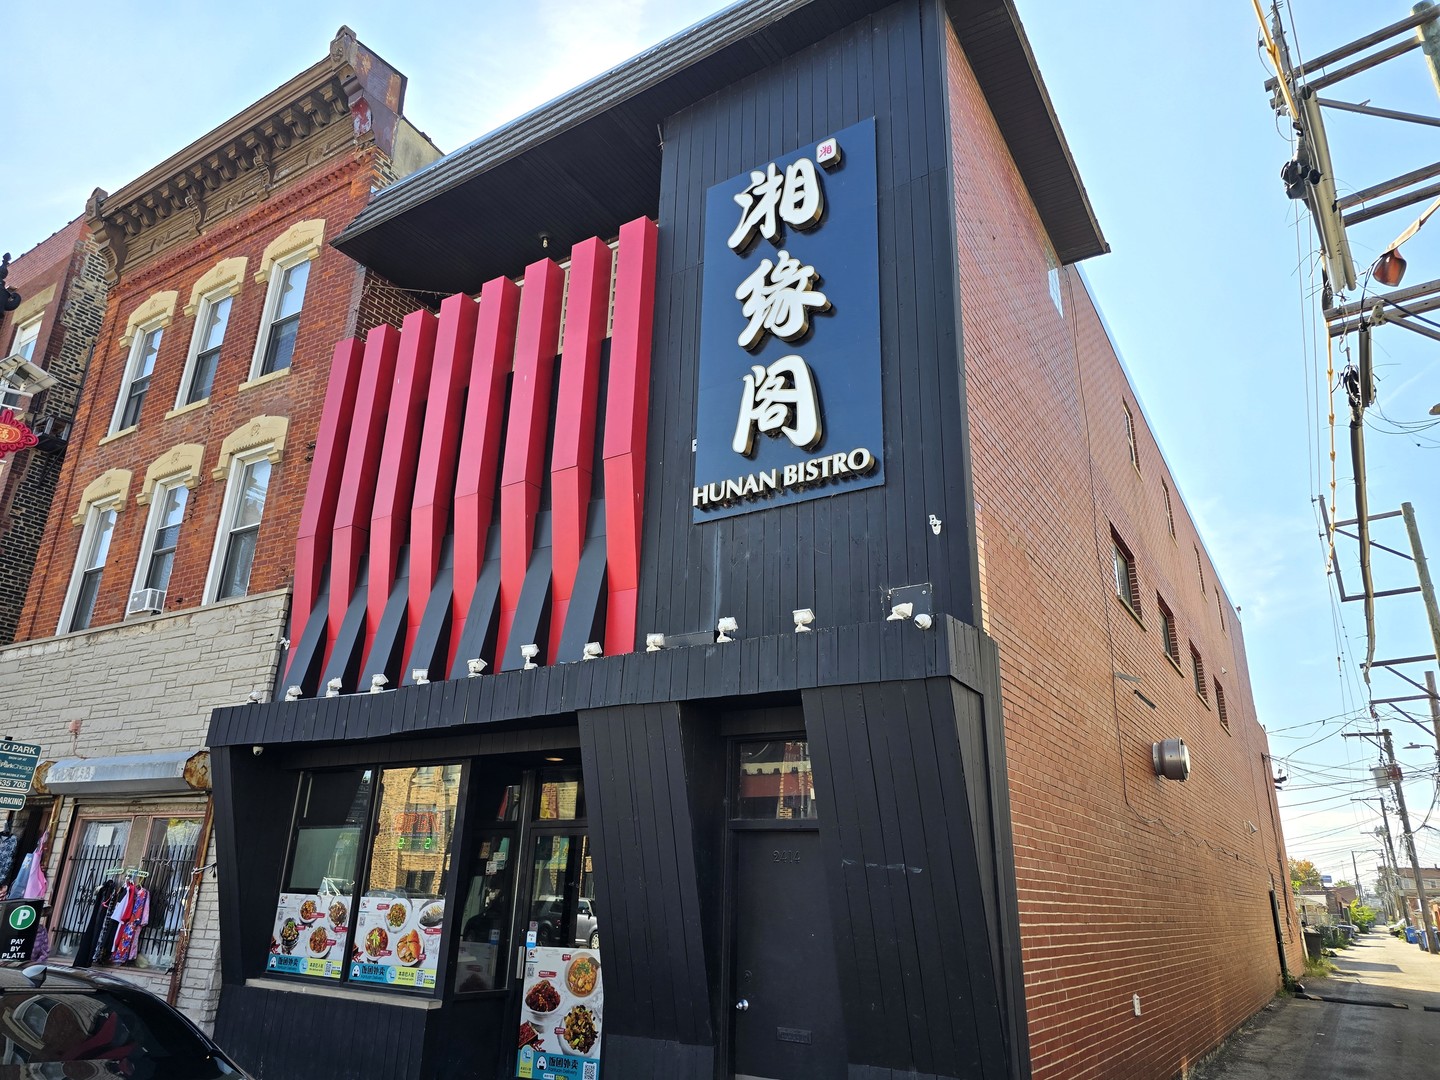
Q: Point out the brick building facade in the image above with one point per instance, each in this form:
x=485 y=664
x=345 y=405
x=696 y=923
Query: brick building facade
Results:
x=161 y=588
x=869 y=780
x=61 y=282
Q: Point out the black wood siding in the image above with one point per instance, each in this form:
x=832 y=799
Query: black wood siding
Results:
x=837 y=555
x=658 y=1004
x=911 y=890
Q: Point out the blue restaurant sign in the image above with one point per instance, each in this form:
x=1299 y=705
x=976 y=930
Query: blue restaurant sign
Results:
x=788 y=399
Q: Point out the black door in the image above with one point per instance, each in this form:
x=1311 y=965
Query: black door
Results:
x=787 y=1004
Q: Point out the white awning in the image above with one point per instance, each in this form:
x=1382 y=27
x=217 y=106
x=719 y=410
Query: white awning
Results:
x=145 y=774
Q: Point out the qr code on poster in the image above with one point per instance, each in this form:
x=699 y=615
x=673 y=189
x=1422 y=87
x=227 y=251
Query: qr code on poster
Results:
x=592 y=1071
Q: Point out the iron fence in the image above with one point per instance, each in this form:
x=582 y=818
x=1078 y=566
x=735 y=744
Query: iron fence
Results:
x=86 y=871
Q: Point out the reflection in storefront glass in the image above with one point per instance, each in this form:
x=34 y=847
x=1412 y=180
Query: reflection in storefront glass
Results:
x=486 y=917
x=775 y=781
x=560 y=797
x=402 y=912
x=561 y=892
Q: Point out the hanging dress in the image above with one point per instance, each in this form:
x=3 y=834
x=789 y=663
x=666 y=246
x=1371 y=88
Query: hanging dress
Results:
x=93 y=937
x=132 y=913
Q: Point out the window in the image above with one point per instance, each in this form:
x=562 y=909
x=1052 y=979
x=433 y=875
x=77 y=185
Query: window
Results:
x=1220 y=607
x=155 y=851
x=210 y=323
x=79 y=606
x=1199 y=569
x=1198 y=667
x=1130 y=435
x=1169 y=509
x=1220 y=706
x=775 y=781
x=239 y=527
x=162 y=535
x=276 y=345
x=368 y=871
x=1127 y=584
x=22 y=345
x=1168 y=630
x=138 y=370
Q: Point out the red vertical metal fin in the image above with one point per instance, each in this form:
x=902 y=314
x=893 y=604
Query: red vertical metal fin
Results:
x=479 y=460
x=322 y=491
x=395 y=486
x=523 y=471
x=572 y=460
x=362 y=464
x=627 y=416
x=439 y=447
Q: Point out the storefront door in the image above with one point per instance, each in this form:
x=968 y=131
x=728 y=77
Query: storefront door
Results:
x=786 y=1007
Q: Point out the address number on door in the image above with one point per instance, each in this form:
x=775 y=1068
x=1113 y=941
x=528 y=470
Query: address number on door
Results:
x=785 y=855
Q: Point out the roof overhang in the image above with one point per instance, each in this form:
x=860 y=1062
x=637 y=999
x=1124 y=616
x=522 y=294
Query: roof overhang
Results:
x=594 y=154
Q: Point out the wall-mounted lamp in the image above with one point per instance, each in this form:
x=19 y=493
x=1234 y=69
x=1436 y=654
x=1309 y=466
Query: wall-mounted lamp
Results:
x=530 y=652
x=420 y=676
x=593 y=651
x=1171 y=758
x=900 y=612
x=378 y=684
x=725 y=628
x=803 y=618
x=475 y=667
x=292 y=693
x=332 y=688
x=654 y=642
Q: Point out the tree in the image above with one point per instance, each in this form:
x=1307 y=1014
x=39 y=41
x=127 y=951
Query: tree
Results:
x=1303 y=874
x=1362 y=915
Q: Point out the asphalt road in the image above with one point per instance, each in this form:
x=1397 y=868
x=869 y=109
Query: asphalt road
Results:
x=1364 y=1038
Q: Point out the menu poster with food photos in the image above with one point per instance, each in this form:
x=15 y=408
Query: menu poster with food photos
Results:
x=560 y=1014
x=397 y=941
x=308 y=937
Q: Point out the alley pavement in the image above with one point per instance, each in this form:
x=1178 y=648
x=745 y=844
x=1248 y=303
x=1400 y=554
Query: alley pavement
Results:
x=1359 y=1032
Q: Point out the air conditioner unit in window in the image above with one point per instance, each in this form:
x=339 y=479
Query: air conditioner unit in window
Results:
x=146 y=601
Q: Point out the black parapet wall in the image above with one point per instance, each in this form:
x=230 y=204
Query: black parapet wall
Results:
x=839 y=555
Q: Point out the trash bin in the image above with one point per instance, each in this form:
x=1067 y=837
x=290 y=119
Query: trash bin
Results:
x=1422 y=940
x=1410 y=935
x=1314 y=944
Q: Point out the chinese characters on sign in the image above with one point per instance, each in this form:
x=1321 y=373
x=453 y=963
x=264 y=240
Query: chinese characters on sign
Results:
x=789 y=389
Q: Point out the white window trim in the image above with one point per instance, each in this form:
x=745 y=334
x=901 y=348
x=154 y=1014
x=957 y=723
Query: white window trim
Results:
x=132 y=362
x=17 y=341
x=87 y=538
x=272 y=301
x=227 y=516
x=202 y=314
x=161 y=489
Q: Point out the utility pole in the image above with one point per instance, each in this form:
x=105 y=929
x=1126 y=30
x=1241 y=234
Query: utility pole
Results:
x=1359 y=888
x=1430 y=941
x=1392 y=867
x=1394 y=781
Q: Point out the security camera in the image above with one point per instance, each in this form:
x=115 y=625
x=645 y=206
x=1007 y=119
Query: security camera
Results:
x=257 y=750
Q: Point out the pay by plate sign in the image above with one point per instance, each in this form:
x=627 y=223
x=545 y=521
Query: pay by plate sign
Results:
x=18 y=921
x=17 y=770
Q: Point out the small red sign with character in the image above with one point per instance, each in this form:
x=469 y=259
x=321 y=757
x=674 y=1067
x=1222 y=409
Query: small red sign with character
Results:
x=13 y=434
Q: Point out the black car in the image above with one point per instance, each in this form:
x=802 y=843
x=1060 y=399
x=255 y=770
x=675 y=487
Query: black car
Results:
x=59 y=1023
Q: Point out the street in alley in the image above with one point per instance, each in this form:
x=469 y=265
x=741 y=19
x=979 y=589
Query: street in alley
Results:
x=1380 y=1018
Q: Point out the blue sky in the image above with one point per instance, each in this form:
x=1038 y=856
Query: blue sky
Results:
x=1208 y=291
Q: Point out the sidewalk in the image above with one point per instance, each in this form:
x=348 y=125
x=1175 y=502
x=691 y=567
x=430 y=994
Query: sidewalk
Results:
x=1363 y=1039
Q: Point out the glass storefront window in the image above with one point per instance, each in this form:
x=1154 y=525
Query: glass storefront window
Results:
x=401 y=915
x=487 y=916
x=561 y=890
x=315 y=908
x=775 y=782
x=560 y=796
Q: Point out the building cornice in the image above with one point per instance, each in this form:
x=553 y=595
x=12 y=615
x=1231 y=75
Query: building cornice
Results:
x=320 y=113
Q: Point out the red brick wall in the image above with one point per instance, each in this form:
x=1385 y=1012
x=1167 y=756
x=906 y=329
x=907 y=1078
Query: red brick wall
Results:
x=1127 y=883
x=336 y=192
